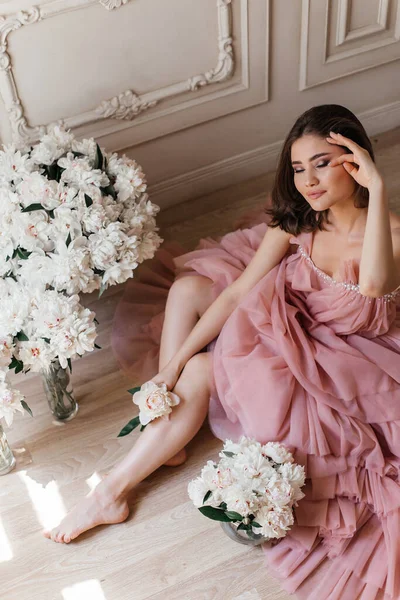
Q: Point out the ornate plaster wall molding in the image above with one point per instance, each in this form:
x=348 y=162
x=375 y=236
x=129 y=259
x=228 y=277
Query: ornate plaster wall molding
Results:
x=111 y=4
x=127 y=105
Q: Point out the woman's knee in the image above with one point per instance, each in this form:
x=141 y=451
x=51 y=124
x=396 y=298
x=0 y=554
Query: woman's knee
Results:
x=199 y=366
x=196 y=289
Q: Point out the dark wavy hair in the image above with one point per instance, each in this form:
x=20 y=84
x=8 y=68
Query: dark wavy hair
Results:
x=289 y=210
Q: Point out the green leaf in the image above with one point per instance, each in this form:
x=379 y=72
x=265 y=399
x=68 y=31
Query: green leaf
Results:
x=19 y=367
x=68 y=240
x=77 y=154
x=96 y=321
x=53 y=171
x=214 y=513
x=23 y=254
x=51 y=213
x=33 y=207
x=134 y=390
x=206 y=497
x=243 y=527
x=129 y=427
x=88 y=201
x=143 y=427
x=69 y=364
x=14 y=254
x=14 y=363
x=103 y=288
x=234 y=516
x=98 y=164
x=223 y=505
x=97 y=346
x=230 y=454
x=109 y=191
x=47 y=340
x=255 y=524
x=22 y=337
x=26 y=407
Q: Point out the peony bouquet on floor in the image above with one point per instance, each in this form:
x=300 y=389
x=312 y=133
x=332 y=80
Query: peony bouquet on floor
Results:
x=253 y=487
x=73 y=219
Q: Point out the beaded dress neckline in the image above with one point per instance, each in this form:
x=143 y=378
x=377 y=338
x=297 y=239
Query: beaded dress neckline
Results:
x=347 y=285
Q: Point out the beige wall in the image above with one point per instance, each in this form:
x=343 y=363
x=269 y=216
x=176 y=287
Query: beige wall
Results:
x=199 y=92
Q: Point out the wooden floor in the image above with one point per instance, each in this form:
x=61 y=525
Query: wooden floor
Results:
x=166 y=550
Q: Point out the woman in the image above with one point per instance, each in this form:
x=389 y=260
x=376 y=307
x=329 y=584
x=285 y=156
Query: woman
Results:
x=298 y=320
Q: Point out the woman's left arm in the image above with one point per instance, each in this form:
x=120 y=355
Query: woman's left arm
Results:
x=380 y=258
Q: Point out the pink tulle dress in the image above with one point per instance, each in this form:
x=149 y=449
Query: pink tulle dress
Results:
x=306 y=360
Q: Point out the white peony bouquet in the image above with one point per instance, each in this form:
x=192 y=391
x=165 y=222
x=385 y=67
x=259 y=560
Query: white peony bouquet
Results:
x=73 y=219
x=254 y=486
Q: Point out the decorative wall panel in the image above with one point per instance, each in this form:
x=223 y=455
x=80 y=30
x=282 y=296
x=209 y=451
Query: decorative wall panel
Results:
x=343 y=37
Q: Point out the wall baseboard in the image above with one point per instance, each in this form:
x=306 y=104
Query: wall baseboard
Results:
x=253 y=163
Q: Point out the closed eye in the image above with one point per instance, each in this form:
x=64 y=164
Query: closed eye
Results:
x=325 y=163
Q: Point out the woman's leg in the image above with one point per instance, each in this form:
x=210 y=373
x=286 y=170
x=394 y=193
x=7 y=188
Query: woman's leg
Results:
x=156 y=444
x=188 y=299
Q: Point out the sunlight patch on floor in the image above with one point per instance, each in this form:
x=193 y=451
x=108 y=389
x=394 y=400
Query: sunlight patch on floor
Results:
x=83 y=591
x=93 y=480
x=46 y=500
x=5 y=548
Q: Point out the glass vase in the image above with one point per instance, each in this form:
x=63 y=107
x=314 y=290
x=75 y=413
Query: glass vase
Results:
x=241 y=536
x=59 y=393
x=7 y=458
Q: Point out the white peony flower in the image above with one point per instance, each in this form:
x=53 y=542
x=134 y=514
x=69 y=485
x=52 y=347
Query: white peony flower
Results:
x=279 y=492
x=148 y=246
x=75 y=336
x=35 y=354
x=79 y=173
x=31 y=230
x=197 y=489
x=118 y=273
x=52 y=145
x=14 y=165
x=14 y=312
x=103 y=252
x=242 y=501
x=71 y=270
x=94 y=218
x=274 y=521
x=154 y=401
x=88 y=147
x=277 y=452
x=37 y=189
x=293 y=473
x=6 y=350
x=254 y=469
x=10 y=401
x=36 y=271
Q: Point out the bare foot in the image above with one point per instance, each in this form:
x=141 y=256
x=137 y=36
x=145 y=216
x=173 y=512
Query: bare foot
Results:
x=98 y=508
x=177 y=460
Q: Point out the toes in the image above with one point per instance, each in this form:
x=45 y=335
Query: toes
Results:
x=53 y=535
x=67 y=539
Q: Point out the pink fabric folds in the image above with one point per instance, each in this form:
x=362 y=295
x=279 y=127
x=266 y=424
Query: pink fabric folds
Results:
x=308 y=361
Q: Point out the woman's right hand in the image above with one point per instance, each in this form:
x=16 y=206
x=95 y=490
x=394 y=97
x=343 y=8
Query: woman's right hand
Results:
x=169 y=375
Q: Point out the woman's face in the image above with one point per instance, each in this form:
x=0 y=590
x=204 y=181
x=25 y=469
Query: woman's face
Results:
x=321 y=185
